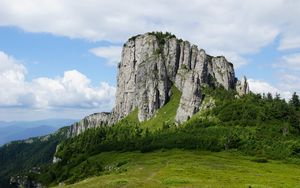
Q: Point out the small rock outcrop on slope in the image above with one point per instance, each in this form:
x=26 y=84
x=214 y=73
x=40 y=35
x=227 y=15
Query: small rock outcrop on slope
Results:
x=91 y=121
x=242 y=86
x=151 y=63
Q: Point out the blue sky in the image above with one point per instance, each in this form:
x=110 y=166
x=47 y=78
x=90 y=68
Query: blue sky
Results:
x=58 y=57
x=47 y=55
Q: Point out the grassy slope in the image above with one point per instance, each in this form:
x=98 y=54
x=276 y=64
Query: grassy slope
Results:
x=182 y=168
x=179 y=168
x=166 y=114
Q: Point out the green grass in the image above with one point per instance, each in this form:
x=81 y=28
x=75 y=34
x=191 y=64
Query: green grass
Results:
x=166 y=114
x=182 y=168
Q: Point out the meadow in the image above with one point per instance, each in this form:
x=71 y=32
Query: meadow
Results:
x=189 y=168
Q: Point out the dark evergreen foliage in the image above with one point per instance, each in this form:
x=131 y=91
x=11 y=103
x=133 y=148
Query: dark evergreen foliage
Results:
x=265 y=127
x=258 y=125
x=19 y=157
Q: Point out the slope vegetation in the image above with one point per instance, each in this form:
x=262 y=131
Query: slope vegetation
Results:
x=264 y=127
x=184 y=168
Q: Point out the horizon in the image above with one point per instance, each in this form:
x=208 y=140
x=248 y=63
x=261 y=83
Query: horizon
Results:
x=51 y=49
x=37 y=120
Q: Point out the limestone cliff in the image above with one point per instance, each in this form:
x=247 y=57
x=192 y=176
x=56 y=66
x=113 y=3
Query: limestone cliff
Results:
x=151 y=63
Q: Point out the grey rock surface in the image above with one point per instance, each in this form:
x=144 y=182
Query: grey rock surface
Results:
x=148 y=70
x=91 y=121
x=242 y=86
x=150 y=65
x=190 y=99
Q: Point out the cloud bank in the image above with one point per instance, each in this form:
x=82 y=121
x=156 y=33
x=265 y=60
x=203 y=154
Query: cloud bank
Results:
x=262 y=87
x=72 y=90
x=112 y=54
x=231 y=28
x=228 y=26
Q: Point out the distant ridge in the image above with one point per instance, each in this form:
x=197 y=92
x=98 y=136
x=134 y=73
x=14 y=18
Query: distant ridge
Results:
x=19 y=130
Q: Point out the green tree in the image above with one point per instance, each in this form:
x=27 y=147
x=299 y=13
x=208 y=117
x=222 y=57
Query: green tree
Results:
x=269 y=96
x=295 y=102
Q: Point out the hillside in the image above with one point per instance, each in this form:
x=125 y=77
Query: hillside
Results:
x=257 y=126
x=186 y=168
x=19 y=157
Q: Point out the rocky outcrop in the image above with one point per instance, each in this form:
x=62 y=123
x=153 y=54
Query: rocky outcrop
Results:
x=91 y=121
x=151 y=64
x=55 y=158
x=242 y=86
x=191 y=97
x=24 y=182
x=143 y=80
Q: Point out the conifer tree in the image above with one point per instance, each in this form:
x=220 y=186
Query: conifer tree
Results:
x=295 y=102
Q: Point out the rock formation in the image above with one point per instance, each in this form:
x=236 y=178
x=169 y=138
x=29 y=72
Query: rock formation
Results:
x=151 y=63
x=91 y=121
x=242 y=87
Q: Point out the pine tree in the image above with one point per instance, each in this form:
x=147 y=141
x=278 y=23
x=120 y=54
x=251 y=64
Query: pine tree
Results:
x=295 y=102
x=269 y=96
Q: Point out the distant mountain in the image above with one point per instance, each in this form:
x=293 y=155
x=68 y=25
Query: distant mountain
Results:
x=18 y=130
x=3 y=123
x=48 y=122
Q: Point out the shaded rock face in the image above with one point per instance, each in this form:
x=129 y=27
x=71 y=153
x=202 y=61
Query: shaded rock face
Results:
x=149 y=69
x=143 y=80
x=151 y=64
x=91 y=121
x=191 y=97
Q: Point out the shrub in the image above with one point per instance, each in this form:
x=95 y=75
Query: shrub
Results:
x=260 y=160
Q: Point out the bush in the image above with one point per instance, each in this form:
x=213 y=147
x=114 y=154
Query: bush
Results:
x=260 y=160
x=121 y=163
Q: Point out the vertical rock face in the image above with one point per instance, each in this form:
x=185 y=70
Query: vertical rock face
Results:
x=143 y=79
x=191 y=97
x=151 y=63
x=223 y=72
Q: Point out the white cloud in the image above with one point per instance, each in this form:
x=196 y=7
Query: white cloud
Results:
x=258 y=86
x=291 y=62
x=289 y=42
x=12 y=80
x=289 y=71
x=290 y=81
x=233 y=26
x=72 y=90
x=111 y=53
